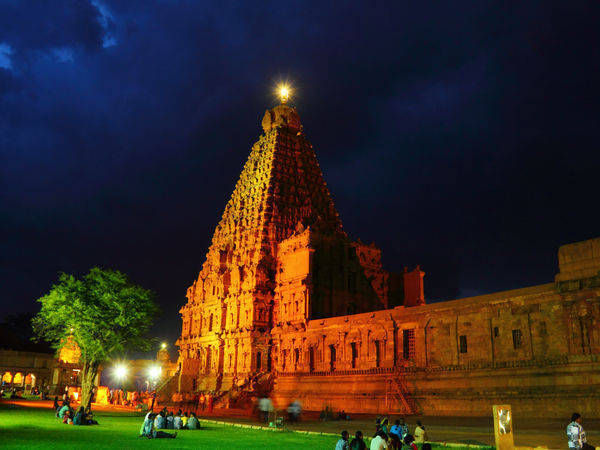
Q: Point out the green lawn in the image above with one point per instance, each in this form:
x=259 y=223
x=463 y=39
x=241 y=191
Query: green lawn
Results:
x=31 y=427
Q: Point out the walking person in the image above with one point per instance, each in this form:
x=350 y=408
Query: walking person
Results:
x=576 y=434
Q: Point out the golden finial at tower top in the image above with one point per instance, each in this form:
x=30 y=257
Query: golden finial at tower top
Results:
x=284 y=92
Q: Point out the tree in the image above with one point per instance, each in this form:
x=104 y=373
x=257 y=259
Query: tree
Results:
x=104 y=313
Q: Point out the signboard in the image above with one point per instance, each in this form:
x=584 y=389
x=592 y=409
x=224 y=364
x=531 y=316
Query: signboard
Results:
x=503 y=427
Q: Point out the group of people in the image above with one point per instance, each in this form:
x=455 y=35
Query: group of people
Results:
x=154 y=422
x=201 y=401
x=68 y=416
x=386 y=437
x=126 y=398
x=13 y=393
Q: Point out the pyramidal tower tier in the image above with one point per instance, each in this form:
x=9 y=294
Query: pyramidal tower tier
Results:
x=278 y=256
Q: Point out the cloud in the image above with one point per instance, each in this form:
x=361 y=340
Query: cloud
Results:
x=5 y=54
x=107 y=22
x=63 y=54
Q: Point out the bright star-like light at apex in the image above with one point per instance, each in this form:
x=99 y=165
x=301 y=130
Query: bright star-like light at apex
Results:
x=284 y=92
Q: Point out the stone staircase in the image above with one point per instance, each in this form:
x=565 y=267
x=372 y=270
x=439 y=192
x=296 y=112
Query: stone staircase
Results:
x=242 y=396
x=397 y=395
x=167 y=388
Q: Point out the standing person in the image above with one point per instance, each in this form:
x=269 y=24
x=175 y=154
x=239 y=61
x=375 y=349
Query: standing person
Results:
x=264 y=405
x=420 y=435
x=294 y=411
x=56 y=405
x=379 y=442
x=576 y=434
x=358 y=443
x=153 y=400
x=184 y=419
x=396 y=436
x=403 y=429
x=210 y=403
x=384 y=426
x=342 y=444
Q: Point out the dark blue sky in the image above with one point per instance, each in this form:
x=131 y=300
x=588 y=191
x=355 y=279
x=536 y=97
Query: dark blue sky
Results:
x=462 y=136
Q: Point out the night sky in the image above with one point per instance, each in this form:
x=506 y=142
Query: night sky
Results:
x=461 y=136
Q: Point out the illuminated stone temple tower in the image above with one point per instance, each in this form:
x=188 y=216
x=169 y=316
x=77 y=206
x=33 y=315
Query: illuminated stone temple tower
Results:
x=278 y=255
x=287 y=304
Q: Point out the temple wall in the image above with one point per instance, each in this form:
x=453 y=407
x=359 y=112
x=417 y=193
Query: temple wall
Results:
x=535 y=348
x=550 y=391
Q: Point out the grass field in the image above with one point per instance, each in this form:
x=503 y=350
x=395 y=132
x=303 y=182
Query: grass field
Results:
x=34 y=427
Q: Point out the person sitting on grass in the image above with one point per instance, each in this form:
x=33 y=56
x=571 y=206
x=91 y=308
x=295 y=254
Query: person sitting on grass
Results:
x=342 y=444
x=159 y=421
x=177 y=422
x=184 y=420
x=63 y=409
x=410 y=441
x=193 y=423
x=150 y=432
x=379 y=442
x=79 y=418
x=89 y=418
x=67 y=418
x=358 y=443
x=170 y=419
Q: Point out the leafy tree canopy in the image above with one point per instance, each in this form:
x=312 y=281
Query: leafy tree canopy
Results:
x=103 y=312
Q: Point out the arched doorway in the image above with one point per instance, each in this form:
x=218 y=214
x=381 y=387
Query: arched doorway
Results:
x=18 y=378
x=7 y=378
x=30 y=380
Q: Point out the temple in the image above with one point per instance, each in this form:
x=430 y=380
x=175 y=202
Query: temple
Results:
x=286 y=304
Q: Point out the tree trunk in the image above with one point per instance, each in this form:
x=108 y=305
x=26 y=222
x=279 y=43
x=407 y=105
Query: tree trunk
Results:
x=88 y=374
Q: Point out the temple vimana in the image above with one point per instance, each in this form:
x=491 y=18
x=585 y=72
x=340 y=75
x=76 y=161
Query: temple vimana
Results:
x=288 y=305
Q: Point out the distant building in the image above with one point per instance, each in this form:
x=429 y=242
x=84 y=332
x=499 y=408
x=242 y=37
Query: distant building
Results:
x=25 y=370
x=287 y=302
